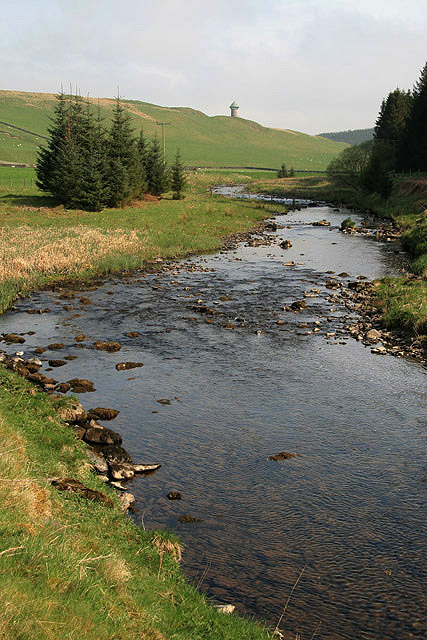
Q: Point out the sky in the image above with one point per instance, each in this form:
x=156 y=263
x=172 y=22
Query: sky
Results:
x=308 y=65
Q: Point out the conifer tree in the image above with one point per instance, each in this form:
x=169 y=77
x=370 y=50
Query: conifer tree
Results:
x=178 y=178
x=47 y=157
x=67 y=166
x=156 y=170
x=121 y=158
x=282 y=172
x=92 y=192
x=414 y=150
x=393 y=115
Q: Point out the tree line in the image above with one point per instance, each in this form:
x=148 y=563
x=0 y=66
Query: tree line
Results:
x=88 y=166
x=399 y=143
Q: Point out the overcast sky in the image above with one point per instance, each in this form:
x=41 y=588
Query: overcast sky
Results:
x=309 y=65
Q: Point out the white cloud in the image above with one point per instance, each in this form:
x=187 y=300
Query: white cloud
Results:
x=303 y=64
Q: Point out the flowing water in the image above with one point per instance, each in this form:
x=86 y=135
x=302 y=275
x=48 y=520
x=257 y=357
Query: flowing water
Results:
x=348 y=510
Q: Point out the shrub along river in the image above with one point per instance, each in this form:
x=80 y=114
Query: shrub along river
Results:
x=240 y=379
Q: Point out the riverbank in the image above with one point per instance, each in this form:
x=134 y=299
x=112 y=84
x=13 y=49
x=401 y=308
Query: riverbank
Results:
x=42 y=243
x=402 y=301
x=72 y=566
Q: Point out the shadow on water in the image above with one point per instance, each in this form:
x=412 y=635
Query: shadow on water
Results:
x=246 y=380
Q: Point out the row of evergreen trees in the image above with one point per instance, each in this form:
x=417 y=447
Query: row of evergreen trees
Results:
x=400 y=136
x=399 y=144
x=87 y=166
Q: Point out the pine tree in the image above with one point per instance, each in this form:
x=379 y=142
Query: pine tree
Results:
x=414 y=150
x=67 y=166
x=92 y=192
x=156 y=170
x=282 y=172
x=393 y=115
x=47 y=157
x=291 y=173
x=121 y=158
x=178 y=178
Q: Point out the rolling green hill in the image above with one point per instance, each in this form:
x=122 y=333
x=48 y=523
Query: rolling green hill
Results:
x=351 y=136
x=204 y=140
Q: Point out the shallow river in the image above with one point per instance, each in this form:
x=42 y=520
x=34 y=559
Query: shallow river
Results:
x=348 y=511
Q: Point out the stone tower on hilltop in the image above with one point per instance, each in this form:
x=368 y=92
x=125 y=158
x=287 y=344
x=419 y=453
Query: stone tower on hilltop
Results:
x=233 y=107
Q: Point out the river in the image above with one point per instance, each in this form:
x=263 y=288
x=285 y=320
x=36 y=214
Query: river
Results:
x=250 y=381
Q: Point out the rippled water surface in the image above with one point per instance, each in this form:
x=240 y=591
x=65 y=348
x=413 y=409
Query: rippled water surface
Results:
x=349 y=510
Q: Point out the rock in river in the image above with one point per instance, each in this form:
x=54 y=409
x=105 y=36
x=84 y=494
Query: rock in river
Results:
x=103 y=414
x=283 y=455
x=111 y=347
x=174 y=495
x=124 y=366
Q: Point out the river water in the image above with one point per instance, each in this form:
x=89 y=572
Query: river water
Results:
x=348 y=511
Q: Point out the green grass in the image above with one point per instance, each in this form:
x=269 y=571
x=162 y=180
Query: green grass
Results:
x=204 y=140
x=404 y=305
x=76 y=569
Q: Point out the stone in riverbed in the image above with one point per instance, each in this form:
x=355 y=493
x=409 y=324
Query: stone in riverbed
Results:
x=373 y=335
x=186 y=519
x=113 y=453
x=97 y=461
x=146 y=468
x=101 y=435
x=283 y=455
x=111 y=347
x=174 y=495
x=123 y=471
x=321 y=223
x=298 y=305
x=55 y=346
x=103 y=414
x=72 y=413
x=80 y=385
x=63 y=387
x=132 y=334
x=124 y=366
x=80 y=337
x=127 y=501
x=285 y=244
x=57 y=363
x=13 y=338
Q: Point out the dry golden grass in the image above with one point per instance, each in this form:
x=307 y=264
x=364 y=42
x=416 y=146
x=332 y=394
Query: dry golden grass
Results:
x=27 y=251
x=168 y=546
x=116 y=570
x=17 y=491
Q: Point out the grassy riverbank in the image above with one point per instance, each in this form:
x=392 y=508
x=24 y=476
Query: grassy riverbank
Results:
x=403 y=301
x=77 y=569
x=71 y=568
x=41 y=242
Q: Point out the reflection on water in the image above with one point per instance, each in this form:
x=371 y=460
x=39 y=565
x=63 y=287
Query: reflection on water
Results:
x=349 y=509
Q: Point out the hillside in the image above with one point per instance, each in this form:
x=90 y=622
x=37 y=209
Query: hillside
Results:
x=204 y=140
x=351 y=136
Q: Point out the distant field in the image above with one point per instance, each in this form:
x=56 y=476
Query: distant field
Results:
x=204 y=140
